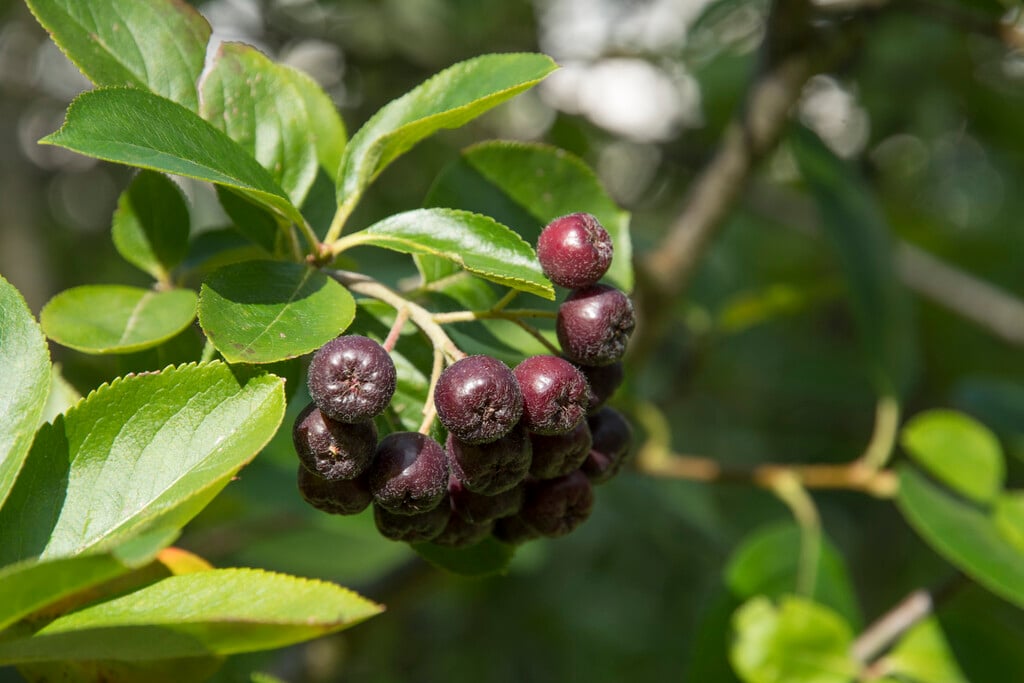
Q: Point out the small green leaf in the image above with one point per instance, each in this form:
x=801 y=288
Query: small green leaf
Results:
x=924 y=655
x=549 y=182
x=957 y=450
x=254 y=222
x=156 y=45
x=854 y=224
x=1008 y=516
x=259 y=105
x=266 y=311
x=116 y=318
x=137 y=128
x=62 y=396
x=766 y=562
x=144 y=453
x=151 y=224
x=326 y=129
x=450 y=99
x=797 y=641
x=221 y=611
x=964 y=535
x=478 y=243
x=488 y=557
x=24 y=382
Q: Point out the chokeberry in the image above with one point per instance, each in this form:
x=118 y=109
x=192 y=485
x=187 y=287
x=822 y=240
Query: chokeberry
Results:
x=603 y=380
x=338 y=497
x=478 y=507
x=613 y=436
x=555 y=394
x=575 y=250
x=409 y=473
x=594 y=324
x=493 y=467
x=351 y=378
x=460 y=533
x=331 y=449
x=514 y=530
x=478 y=399
x=558 y=455
x=554 y=507
x=415 y=528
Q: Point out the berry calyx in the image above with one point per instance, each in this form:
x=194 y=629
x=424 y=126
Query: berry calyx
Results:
x=414 y=528
x=555 y=394
x=409 y=474
x=338 y=497
x=351 y=378
x=558 y=455
x=493 y=467
x=594 y=325
x=554 y=507
x=478 y=399
x=575 y=250
x=331 y=449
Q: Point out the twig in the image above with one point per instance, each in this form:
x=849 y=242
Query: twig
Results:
x=429 y=408
x=791 y=491
x=401 y=316
x=493 y=314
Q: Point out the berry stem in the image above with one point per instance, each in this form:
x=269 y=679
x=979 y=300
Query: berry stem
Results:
x=421 y=317
x=429 y=409
x=505 y=300
x=493 y=314
x=338 y=222
x=401 y=316
x=535 y=333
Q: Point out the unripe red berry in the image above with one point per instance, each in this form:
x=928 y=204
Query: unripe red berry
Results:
x=575 y=250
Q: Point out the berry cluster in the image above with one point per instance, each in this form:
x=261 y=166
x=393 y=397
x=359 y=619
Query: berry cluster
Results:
x=524 y=446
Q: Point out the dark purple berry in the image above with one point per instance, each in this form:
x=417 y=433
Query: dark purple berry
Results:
x=415 y=528
x=603 y=381
x=575 y=250
x=478 y=399
x=555 y=394
x=477 y=507
x=460 y=533
x=594 y=324
x=557 y=456
x=613 y=436
x=554 y=507
x=339 y=497
x=514 y=530
x=409 y=474
x=330 y=449
x=490 y=468
x=351 y=378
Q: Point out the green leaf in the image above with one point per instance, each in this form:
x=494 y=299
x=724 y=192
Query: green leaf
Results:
x=116 y=318
x=478 y=243
x=325 y=129
x=136 y=128
x=797 y=641
x=260 y=105
x=62 y=396
x=254 y=222
x=24 y=382
x=1008 y=516
x=450 y=99
x=957 y=450
x=111 y=671
x=151 y=224
x=144 y=453
x=924 y=655
x=766 y=563
x=964 y=535
x=549 y=182
x=151 y=44
x=486 y=558
x=854 y=224
x=266 y=311
x=221 y=611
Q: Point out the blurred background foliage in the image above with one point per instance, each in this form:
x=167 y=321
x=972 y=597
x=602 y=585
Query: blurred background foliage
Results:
x=760 y=361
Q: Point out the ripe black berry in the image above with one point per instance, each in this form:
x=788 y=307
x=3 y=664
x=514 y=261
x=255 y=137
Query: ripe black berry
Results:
x=351 y=378
x=415 y=528
x=554 y=507
x=557 y=456
x=479 y=508
x=460 y=533
x=330 y=449
x=612 y=438
x=491 y=468
x=575 y=250
x=339 y=497
x=478 y=399
x=409 y=474
x=594 y=325
x=514 y=530
x=603 y=381
x=555 y=394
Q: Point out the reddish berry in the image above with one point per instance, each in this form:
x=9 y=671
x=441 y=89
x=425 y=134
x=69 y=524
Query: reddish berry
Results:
x=557 y=456
x=594 y=324
x=409 y=474
x=555 y=394
x=491 y=468
x=478 y=399
x=415 y=528
x=612 y=439
x=351 y=378
x=339 y=497
x=460 y=533
x=478 y=507
x=554 y=507
x=330 y=449
x=603 y=381
x=575 y=250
